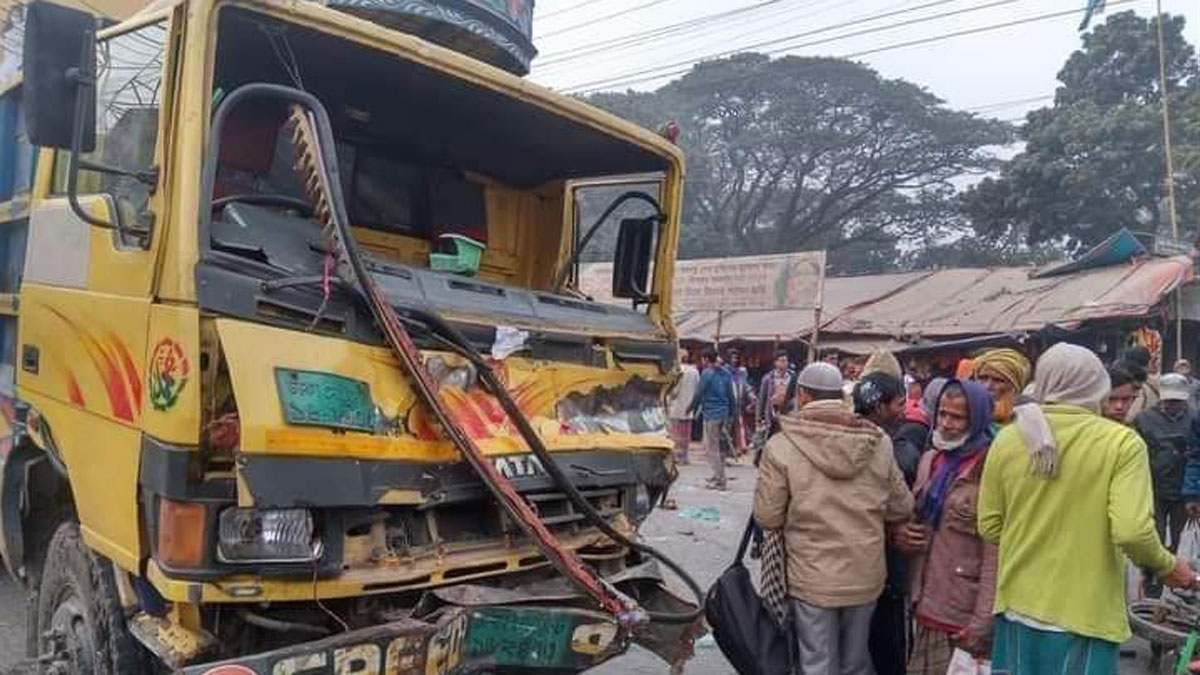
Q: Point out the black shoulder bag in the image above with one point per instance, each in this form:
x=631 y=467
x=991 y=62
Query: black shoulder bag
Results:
x=741 y=625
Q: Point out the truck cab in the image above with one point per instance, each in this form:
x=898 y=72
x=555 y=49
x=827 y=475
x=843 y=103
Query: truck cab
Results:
x=214 y=461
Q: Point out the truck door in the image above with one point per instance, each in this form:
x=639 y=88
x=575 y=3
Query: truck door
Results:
x=86 y=294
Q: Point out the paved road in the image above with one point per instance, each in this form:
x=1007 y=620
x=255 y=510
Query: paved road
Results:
x=705 y=547
x=12 y=622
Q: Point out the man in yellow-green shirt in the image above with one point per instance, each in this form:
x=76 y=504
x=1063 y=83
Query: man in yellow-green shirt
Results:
x=1064 y=494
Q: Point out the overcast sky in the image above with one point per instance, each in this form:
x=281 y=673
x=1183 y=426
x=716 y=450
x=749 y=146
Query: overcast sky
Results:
x=1001 y=73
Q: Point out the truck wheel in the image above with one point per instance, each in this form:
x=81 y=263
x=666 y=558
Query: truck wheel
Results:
x=81 y=624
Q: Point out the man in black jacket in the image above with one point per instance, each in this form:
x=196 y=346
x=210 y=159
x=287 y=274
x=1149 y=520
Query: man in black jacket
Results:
x=880 y=397
x=1165 y=428
x=912 y=437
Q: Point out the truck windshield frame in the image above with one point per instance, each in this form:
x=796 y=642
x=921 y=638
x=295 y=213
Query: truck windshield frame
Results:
x=547 y=161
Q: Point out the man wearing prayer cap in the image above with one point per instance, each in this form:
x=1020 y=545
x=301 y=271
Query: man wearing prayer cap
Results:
x=829 y=482
x=1005 y=373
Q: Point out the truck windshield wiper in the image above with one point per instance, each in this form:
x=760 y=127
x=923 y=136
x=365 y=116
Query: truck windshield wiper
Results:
x=272 y=285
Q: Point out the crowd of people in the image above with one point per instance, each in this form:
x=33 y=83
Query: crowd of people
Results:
x=991 y=512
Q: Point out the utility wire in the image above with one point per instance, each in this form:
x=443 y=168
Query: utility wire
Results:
x=688 y=63
x=774 y=15
x=977 y=30
x=841 y=4
x=587 y=24
x=1000 y=105
x=564 y=10
x=631 y=78
x=591 y=48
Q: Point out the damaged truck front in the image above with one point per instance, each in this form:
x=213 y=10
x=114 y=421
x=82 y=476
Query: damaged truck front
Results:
x=300 y=377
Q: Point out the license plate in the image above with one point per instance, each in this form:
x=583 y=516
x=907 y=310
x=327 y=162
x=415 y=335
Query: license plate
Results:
x=325 y=400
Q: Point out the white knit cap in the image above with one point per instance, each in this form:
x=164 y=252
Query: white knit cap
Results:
x=820 y=376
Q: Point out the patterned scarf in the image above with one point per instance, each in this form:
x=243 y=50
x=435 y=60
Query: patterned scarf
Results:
x=946 y=470
x=773 y=576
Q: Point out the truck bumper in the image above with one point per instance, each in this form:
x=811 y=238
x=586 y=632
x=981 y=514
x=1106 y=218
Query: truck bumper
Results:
x=469 y=629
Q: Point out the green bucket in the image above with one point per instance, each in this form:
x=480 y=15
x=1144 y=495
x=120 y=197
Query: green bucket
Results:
x=464 y=258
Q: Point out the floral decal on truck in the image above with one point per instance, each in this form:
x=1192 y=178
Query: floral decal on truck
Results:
x=168 y=374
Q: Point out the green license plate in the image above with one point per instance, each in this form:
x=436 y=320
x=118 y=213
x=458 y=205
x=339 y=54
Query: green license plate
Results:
x=325 y=400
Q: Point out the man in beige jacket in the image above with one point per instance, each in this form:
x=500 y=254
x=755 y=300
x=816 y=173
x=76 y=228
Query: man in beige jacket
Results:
x=829 y=480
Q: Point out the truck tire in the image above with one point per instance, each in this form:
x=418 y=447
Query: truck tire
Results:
x=79 y=616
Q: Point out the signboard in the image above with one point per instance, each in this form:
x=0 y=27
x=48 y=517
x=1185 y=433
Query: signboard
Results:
x=782 y=281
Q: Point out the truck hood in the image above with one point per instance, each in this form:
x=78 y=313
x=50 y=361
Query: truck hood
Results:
x=572 y=407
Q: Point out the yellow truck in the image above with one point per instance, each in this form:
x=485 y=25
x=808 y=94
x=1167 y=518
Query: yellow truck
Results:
x=295 y=375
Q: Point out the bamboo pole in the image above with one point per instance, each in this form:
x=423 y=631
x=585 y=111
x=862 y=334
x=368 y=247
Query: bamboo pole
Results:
x=1163 y=97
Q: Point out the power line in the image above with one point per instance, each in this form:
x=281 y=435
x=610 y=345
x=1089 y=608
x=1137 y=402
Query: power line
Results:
x=591 y=48
x=688 y=63
x=564 y=10
x=974 y=31
x=597 y=20
x=694 y=28
x=841 y=4
x=1000 y=105
x=618 y=81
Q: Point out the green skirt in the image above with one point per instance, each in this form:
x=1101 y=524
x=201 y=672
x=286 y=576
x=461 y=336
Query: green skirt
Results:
x=1018 y=649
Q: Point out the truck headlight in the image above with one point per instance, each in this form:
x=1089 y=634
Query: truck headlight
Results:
x=640 y=508
x=267 y=535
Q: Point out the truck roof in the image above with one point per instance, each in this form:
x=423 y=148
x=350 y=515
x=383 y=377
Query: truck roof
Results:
x=445 y=60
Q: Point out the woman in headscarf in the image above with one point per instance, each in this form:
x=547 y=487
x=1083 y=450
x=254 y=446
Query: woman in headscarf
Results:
x=1066 y=495
x=1004 y=372
x=953 y=572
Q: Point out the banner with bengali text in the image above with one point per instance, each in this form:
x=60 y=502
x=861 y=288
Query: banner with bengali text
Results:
x=782 y=281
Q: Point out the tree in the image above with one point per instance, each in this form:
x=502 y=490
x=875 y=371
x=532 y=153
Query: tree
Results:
x=1095 y=161
x=802 y=153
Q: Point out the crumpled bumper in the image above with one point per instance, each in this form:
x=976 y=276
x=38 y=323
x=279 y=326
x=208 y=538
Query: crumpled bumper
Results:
x=541 y=626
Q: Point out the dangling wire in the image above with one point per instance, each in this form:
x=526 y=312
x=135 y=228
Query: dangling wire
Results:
x=283 y=51
x=326 y=290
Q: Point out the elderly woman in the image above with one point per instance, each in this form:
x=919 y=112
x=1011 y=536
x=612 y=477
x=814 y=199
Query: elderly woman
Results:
x=1005 y=373
x=953 y=573
x=1066 y=495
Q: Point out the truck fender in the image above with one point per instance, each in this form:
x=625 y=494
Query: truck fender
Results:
x=34 y=497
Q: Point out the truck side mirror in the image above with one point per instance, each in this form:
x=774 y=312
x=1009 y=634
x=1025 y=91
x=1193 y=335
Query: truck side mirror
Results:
x=631 y=262
x=60 y=70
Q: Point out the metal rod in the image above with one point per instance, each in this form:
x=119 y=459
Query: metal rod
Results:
x=816 y=332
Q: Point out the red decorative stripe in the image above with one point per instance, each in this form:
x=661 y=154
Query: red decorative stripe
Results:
x=110 y=374
x=132 y=378
x=74 y=393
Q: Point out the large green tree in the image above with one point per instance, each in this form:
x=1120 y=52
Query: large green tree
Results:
x=801 y=153
x=1094 y=161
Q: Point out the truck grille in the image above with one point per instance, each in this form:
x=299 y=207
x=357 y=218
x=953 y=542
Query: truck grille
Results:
x=408 y=531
